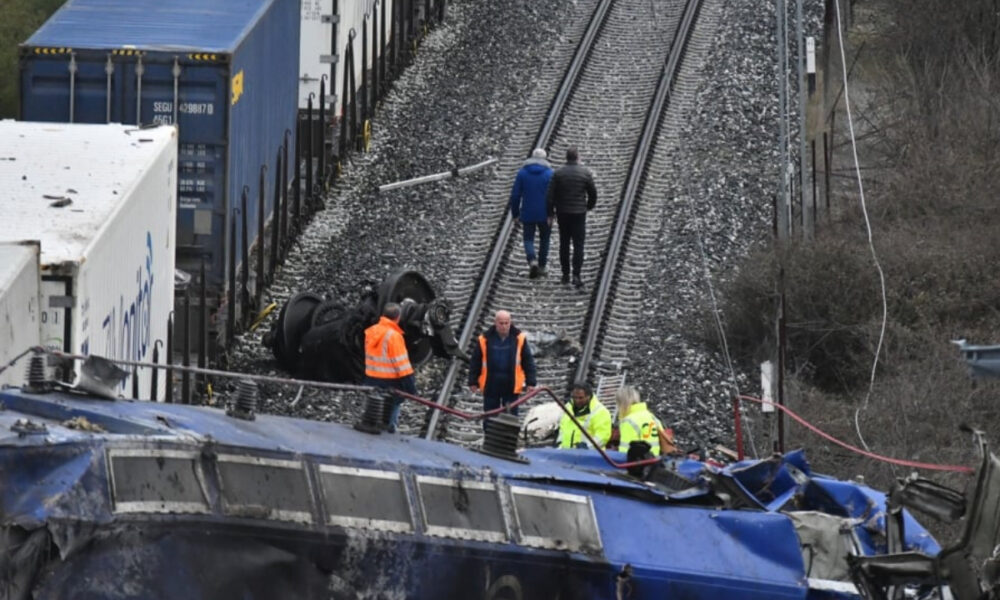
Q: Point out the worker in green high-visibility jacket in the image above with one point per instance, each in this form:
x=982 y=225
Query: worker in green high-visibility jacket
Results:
x=590 y=413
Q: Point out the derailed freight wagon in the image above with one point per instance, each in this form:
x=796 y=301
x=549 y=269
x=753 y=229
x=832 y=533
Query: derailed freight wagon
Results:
x=225 y=72
x=19 y=307
x=101 y=202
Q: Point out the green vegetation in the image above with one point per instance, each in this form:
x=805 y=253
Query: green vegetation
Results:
x=925 y=92
x=20 y=19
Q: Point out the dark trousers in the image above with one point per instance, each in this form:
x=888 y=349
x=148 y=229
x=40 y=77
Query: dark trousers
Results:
x=493 y=400
x=572 y=227
x=393 y=403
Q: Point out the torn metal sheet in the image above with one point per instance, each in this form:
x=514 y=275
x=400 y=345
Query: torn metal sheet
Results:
x=983 y=360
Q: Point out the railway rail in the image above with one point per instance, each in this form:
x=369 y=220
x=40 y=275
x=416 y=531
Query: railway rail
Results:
x=617 y=135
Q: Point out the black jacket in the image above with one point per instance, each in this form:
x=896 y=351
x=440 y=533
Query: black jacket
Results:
x=527 y=361
x=571 y=190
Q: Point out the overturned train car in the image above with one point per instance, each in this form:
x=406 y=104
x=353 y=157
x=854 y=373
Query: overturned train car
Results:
x=132 y=499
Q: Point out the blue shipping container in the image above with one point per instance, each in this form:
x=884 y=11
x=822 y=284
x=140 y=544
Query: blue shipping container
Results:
x=226 y=71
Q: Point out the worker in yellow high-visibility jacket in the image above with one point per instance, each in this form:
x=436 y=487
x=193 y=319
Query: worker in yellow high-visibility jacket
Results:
x=635 y=422
x=387 y=363
x=589 y=412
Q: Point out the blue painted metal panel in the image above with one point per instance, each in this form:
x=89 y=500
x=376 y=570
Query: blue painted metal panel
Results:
x=264 y=107
x=178 y=25
x=233 y=100
x=675 y=549
x=58 y=481
x=862 y=502
x=983 y=360
x=694 y=552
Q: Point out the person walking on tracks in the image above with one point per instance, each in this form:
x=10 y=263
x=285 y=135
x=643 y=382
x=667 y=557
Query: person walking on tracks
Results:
x=387 y=363
x=570 y=195
x=528 y=203
x=502 y=365
x=590 y=413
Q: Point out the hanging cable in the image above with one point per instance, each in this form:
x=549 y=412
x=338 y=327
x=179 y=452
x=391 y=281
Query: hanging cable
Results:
x=856 y=450
x=868 y=227
x=722 y=335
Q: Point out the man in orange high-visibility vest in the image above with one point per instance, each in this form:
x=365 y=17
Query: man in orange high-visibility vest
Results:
x=502 y=365
x=387 y=364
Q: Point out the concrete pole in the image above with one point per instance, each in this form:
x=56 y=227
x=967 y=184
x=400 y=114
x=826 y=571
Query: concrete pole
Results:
x=805 y=174
x=782 y=205
x=784 y=220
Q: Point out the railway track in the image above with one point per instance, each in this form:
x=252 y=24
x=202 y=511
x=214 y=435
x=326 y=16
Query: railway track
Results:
x=609 y=104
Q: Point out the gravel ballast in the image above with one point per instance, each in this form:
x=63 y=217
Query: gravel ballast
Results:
x=459 y=103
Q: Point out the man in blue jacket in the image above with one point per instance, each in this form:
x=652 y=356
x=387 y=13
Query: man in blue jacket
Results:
x=528 y=203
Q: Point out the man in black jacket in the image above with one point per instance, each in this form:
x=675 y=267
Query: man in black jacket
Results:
x=570 y=195
x=502 y=365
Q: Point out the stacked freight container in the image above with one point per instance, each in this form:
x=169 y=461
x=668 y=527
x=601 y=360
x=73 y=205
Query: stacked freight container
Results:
x=101 y=201
x=231 y=75
x=19 y=308
x=226 y=72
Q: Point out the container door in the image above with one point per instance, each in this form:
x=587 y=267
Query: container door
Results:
x=56 y=314
x=63 y=86
x=191 y=91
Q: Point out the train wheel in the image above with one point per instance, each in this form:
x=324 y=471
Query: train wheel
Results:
x=507 y=587
x=294 y=321
x=327 y=311
x=405 y=287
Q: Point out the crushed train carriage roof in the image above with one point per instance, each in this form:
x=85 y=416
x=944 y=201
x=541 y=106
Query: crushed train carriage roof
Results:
x=156 y=477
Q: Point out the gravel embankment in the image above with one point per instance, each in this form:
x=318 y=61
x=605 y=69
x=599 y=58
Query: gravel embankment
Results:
x=459 y=103
x=719 y=211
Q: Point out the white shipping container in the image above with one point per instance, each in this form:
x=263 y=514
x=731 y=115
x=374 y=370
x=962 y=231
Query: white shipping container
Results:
x=317 y=54
x=19 y=318
x=101 y=200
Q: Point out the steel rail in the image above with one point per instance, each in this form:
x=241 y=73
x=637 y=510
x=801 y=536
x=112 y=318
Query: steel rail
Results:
x=616 y=242
x=504 y=232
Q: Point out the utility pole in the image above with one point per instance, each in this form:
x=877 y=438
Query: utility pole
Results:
x=805 y=184
x=783 y=206
x=784 y=220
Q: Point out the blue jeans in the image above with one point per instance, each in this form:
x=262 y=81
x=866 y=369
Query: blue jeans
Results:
x=545 y=231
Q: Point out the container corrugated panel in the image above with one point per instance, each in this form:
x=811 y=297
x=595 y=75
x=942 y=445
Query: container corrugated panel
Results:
x=19 y=318
x=101 y=200
x=226 y=72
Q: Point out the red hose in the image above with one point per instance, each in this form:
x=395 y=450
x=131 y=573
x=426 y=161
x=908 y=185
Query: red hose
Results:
x=518 y=402
x=855 y=449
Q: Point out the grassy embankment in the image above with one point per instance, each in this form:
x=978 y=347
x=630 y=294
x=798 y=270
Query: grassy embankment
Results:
x=20 y=18
x=924 y=97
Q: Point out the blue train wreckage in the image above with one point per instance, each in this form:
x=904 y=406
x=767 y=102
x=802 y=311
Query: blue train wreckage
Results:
x=134 y=499
x=104 y=497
